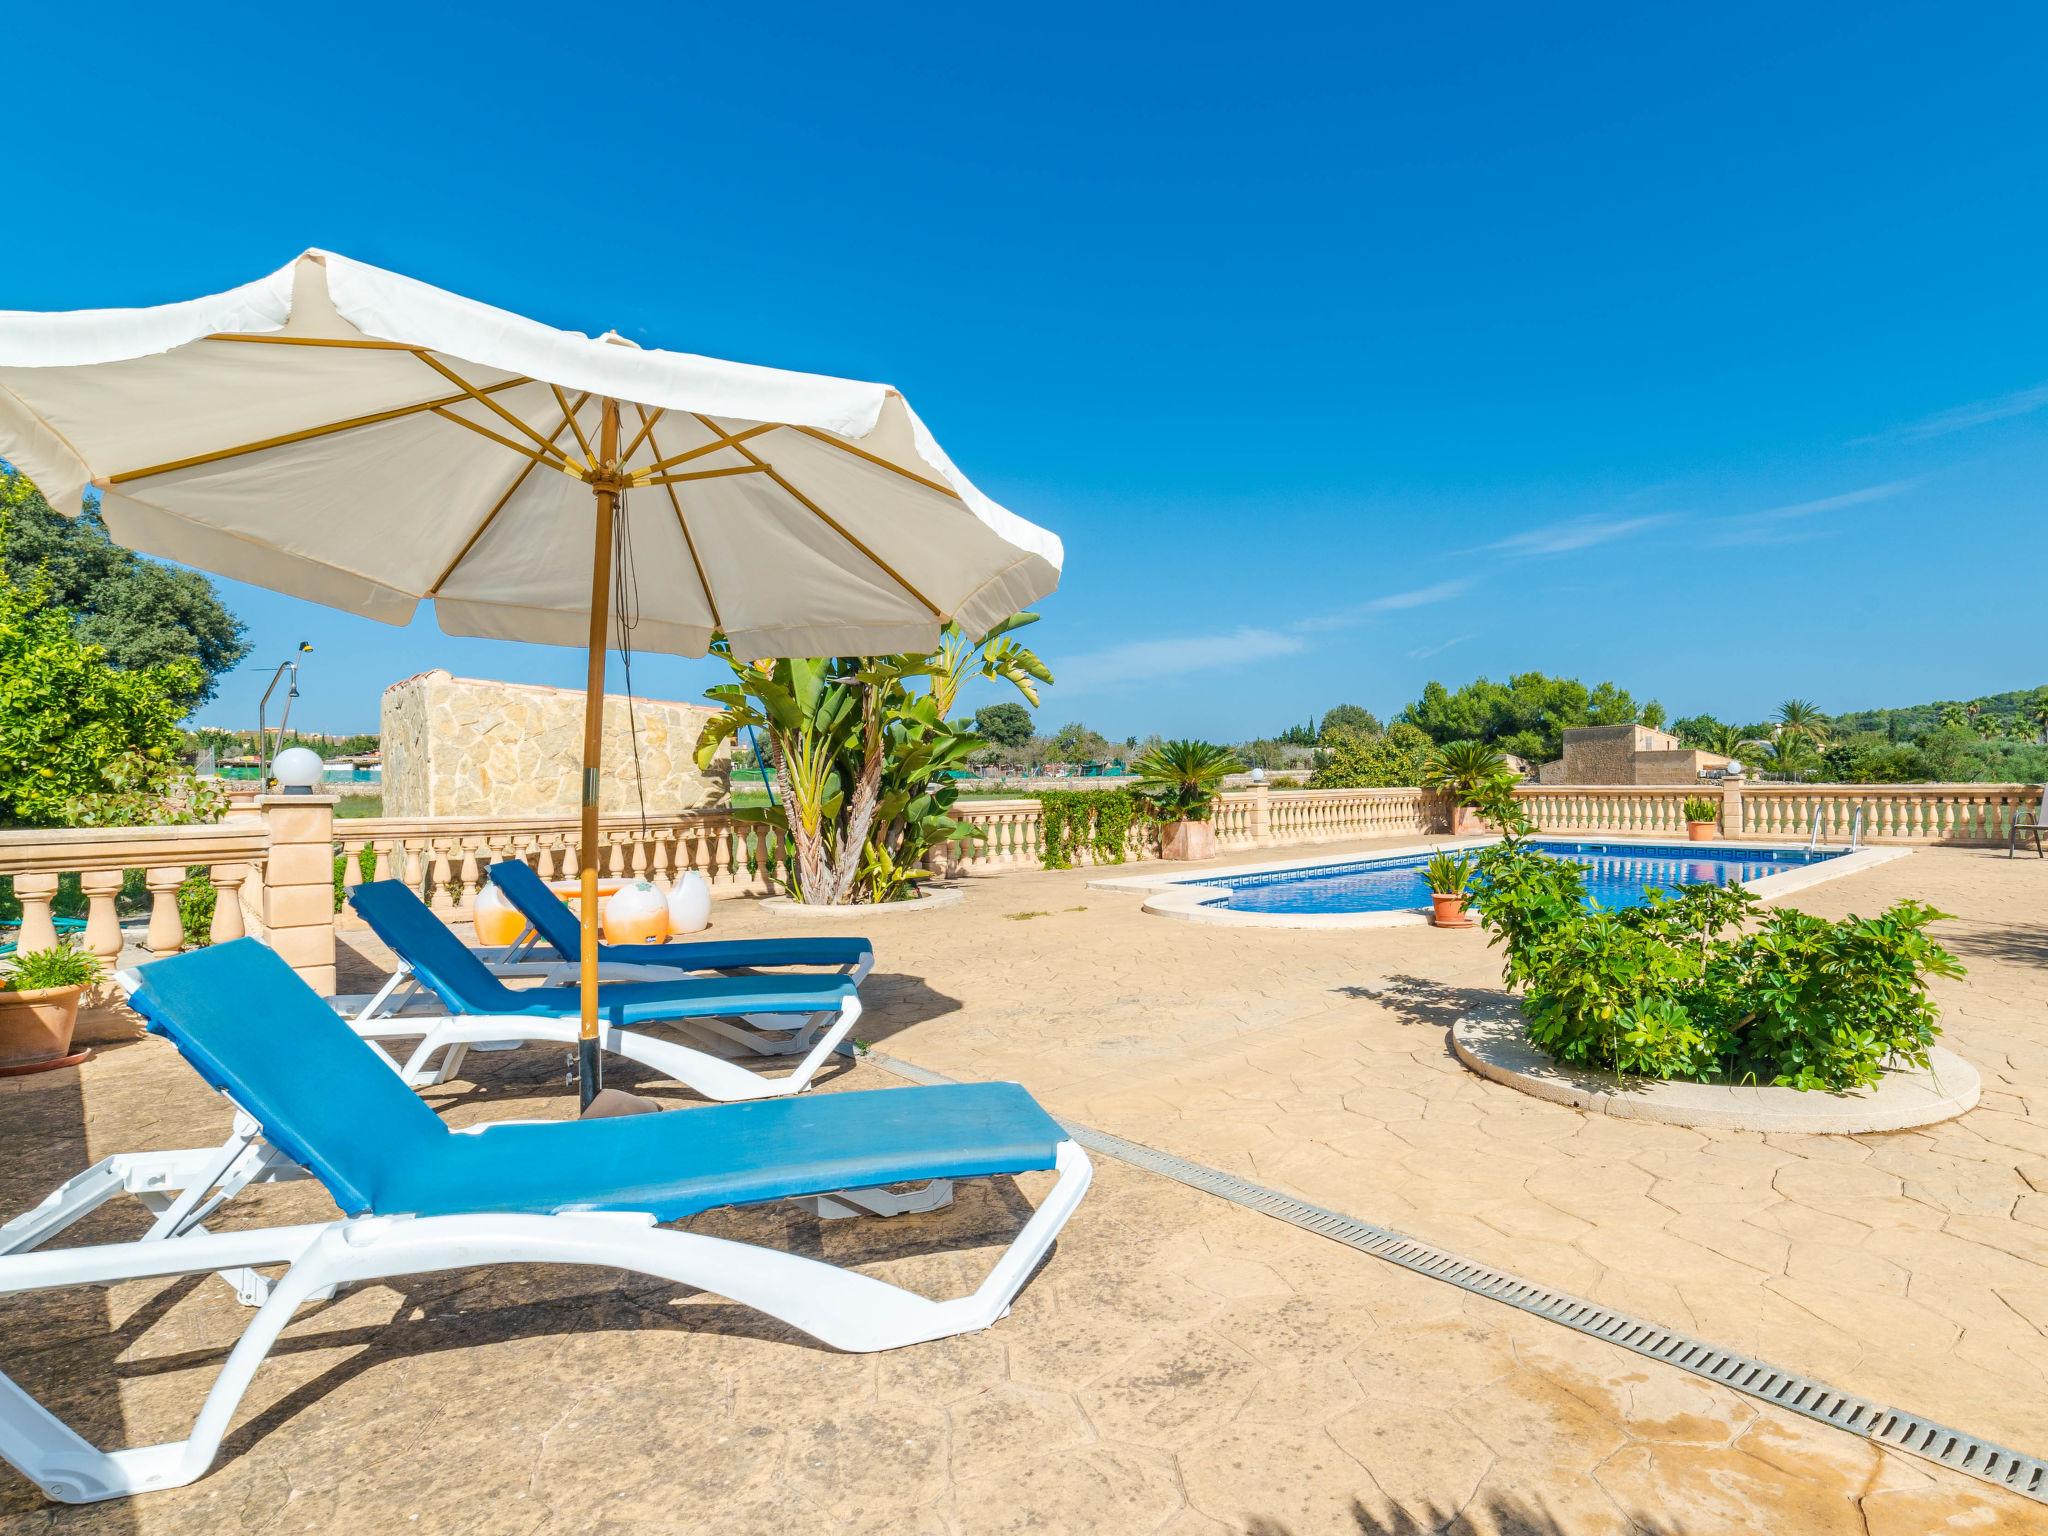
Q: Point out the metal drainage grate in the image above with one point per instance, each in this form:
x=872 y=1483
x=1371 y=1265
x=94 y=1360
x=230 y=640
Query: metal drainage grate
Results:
x=1979 y=1458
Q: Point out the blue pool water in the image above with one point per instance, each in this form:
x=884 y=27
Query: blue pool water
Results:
x=1617 y=875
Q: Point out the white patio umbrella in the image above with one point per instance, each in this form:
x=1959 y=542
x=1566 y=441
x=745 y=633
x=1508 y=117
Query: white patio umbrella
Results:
x=344 y=434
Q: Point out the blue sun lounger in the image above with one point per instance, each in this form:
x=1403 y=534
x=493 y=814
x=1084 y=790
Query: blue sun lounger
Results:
x=311 y=1100
x=553 y=940
x=482 y=1010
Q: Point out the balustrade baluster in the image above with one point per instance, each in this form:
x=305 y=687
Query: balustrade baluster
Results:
x=166 y=934
x=228 y=880
x=36 y=893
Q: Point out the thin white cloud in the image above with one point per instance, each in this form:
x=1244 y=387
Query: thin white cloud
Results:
x=1392 y=602
x=1137 y=661
x=1578 y=533
x=1423 y=653
x=1789 y=524
x=1976 y=413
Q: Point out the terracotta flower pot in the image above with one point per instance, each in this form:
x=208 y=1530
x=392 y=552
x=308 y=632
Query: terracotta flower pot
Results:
x=1449 y=910
x=1466 y=822
x=1702 y=831
x=1187 y=840
x=35 y=1030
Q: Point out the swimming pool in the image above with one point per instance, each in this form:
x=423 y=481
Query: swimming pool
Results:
x=1617 y=875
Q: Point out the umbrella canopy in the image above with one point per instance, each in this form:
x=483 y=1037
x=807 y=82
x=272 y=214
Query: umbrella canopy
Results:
x=348 y=435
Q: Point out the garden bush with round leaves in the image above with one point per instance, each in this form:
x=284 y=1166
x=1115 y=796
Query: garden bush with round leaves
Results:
x=1707 y=986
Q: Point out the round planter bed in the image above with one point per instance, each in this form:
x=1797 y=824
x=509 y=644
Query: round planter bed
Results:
x=782 y=906
x=1495 y=1047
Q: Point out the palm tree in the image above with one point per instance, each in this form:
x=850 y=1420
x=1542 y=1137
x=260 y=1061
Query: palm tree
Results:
x=1790 y=757
x=1727 y=740
x=1954 y=717
x=1802 y=720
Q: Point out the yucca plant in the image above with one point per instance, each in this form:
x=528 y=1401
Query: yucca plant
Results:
x=1179 y=780
x=1448 y=874
x=1700 y=808
x=38 y=969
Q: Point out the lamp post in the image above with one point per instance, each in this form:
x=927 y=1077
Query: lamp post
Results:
x=290 y=665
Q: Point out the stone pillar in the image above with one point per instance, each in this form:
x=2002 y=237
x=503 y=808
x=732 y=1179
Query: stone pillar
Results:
x=1262 y=814
x=1731 y=807
x=297 y=899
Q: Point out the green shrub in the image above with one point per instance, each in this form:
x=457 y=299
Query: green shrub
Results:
x=1391 y=761
x=1700 y=808
x=1681 y=989
x=196 y=897
x=59 y=967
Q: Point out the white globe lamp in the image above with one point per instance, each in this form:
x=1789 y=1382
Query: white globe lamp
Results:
x=689 y=904
x=298 y=770
x=636 y=914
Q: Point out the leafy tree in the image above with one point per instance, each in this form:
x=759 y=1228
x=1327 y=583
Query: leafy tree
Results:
x=1075 y=743
x=139 y=612
x=1652 y=715
x=1007 y=724
x=1348 y=720
x=1373 y=762
x=1527 y=715
x=82 y=743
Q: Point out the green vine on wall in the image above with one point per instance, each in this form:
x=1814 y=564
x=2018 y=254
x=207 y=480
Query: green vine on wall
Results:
x=1070 y=819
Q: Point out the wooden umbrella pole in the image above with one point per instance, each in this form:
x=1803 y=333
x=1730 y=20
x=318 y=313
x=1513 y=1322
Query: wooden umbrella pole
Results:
x=589 y=1070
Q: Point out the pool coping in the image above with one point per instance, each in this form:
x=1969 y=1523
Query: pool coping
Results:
x=1194 y=896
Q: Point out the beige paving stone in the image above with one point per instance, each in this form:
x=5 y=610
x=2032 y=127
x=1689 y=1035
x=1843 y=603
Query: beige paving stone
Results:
x=1166 y=1323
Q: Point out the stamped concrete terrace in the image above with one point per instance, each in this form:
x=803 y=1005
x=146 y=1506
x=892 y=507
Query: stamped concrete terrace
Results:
x=1182 y=1364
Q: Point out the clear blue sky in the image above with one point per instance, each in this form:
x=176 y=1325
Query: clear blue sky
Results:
x=1698 y=347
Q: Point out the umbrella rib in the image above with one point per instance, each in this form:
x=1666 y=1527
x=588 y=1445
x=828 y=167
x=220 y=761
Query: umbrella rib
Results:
x=646 y=431
x=471 y=390
x=819 y=513
x=304 y=435
x=568 y=420
x=875 y=458
x=682 y=522
x=724 y=440
x=705 y=474
x=589 y=454
x=573 y=471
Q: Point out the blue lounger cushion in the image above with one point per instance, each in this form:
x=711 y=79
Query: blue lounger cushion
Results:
x=451 y=970
x=256 y=1031
x=557 y=929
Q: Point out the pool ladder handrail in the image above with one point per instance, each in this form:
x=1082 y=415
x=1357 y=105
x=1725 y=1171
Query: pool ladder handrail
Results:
x=1855 y=829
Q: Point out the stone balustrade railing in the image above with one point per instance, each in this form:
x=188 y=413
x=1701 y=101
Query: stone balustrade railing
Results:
x=446 y=857
x=232 y=852
x=1980 y=814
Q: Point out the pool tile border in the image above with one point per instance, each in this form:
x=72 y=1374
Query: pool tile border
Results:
x=1195 y=896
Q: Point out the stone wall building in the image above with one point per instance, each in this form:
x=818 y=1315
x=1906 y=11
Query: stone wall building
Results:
x=467 y=746
x=1627 y=754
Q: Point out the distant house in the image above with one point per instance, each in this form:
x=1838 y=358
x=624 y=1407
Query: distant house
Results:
x=1628 y=754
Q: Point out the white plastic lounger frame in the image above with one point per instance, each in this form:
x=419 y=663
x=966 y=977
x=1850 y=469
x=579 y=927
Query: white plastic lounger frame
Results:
x=845 y=1310
x=385 y=1015
x=764 y=1034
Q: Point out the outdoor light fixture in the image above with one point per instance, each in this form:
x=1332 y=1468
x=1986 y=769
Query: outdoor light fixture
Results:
x=298 y=770
x=1258 y=775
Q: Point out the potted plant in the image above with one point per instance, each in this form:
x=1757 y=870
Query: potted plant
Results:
x=1701 y=818
x=1177 y=786
x=1468 y=773
x=1448 y=875
x=39 y=1009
